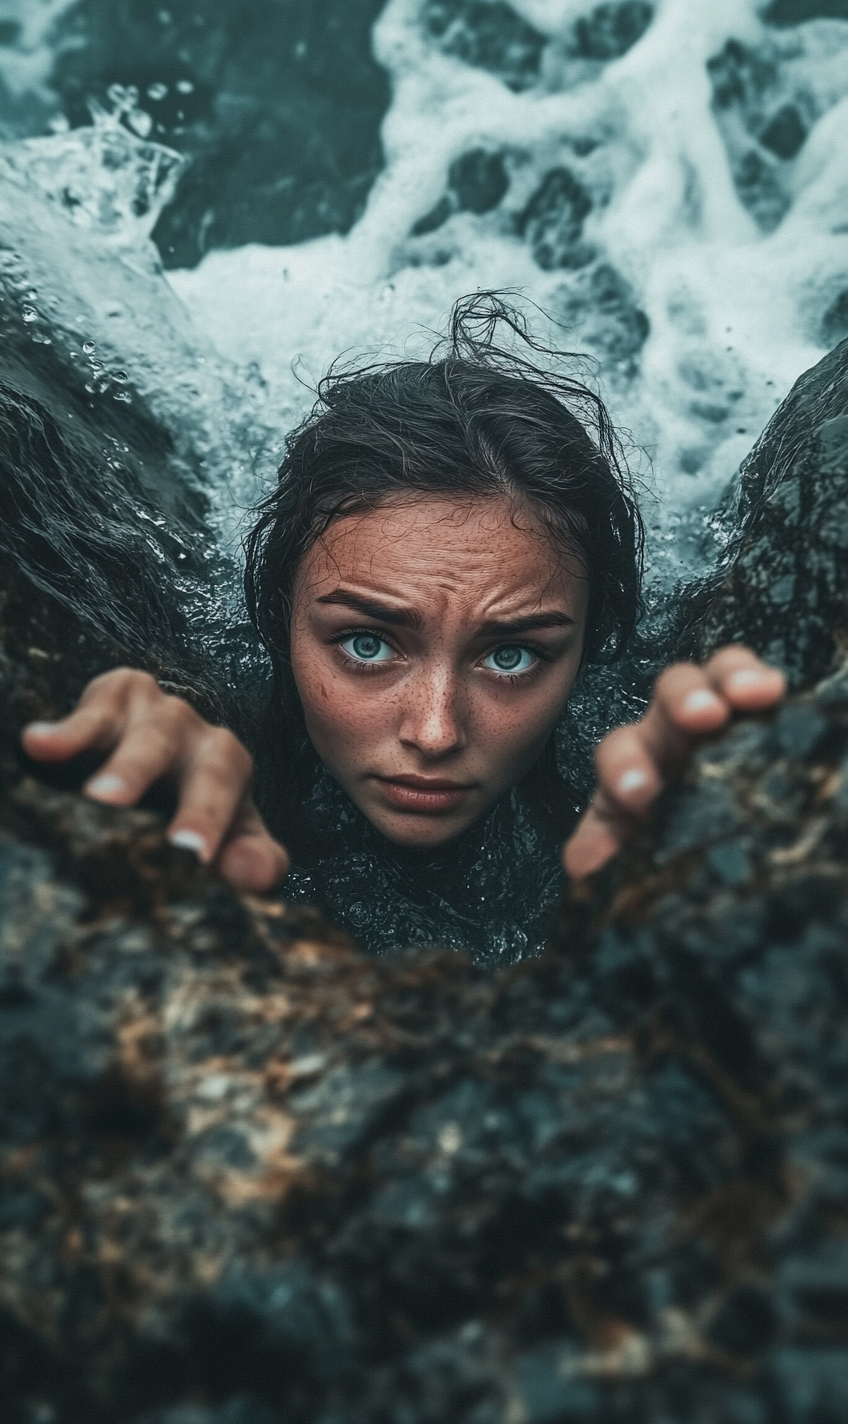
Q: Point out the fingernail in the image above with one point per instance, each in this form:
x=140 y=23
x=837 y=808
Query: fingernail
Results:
x=189 y=840
x=748 y=677
x=700 y=701
x=42 y=729
x=104 y=787
x=632 y=780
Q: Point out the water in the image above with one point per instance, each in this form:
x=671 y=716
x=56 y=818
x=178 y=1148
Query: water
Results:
x=667 y=181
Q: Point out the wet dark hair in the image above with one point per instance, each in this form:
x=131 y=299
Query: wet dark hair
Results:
x=475 y=420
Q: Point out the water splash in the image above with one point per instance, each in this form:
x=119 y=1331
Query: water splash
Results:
x=100 y=176
x=616 y=185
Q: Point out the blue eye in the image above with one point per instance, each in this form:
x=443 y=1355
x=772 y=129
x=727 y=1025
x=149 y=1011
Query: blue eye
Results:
x=510 y=658
x=367 y=648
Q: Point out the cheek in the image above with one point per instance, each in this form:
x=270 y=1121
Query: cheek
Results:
x=316 y=687
x=336 y=716
x=517 y=730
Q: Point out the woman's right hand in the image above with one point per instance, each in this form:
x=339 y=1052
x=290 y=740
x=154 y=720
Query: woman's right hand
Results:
x=146 y=735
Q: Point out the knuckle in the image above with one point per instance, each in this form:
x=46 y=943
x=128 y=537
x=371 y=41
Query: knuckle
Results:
x=135 y=679
x=176 y=713
x=733 y=656
x=613 y=744
x=109 y=682
x=226 y=748
x=672 y=675
x=121 y=686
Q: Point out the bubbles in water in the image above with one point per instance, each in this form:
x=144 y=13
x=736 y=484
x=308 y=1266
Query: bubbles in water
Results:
x=140 y=122
x=89 y=347
x=156 y=92
x=29 y=313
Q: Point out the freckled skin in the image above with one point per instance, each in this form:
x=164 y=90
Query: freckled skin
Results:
x=434 y=706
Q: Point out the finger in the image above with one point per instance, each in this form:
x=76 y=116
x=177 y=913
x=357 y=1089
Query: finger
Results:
x=213 y=787
x=149 y=749
x=744 y=680
x=96 y=724
x=86 y=729
x=596 y=840
x=628 y=775
x=250 y=859
x=685 y=706
x=686 y=701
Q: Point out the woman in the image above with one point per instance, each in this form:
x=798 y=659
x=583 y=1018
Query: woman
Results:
x=447 y=547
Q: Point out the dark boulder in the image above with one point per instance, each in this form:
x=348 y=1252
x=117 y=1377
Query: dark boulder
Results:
x=782 y=586
x=249 y=1176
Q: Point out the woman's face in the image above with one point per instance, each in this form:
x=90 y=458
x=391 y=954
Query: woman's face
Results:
x=434 y=644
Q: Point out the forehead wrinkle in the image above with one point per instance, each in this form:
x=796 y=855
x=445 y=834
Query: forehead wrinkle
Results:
x=545 y=565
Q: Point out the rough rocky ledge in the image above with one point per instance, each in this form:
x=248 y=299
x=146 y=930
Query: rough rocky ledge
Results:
x=248 y=1176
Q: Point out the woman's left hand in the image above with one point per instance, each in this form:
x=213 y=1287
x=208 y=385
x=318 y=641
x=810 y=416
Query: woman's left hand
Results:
x=634 y=763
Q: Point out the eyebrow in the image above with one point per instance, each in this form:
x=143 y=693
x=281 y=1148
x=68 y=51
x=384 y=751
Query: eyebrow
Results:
x=510 y=626
x=403 y=618
x=400 y=617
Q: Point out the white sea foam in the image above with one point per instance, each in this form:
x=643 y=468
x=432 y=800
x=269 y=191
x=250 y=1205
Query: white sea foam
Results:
x=735 y=311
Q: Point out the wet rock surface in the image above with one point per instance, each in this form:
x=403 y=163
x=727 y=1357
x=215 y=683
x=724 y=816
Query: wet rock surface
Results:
x=782 y=585
x=249 y=1176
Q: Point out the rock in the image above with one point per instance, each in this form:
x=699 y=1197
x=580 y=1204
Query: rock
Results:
x=250 y=1176
x=782 y=586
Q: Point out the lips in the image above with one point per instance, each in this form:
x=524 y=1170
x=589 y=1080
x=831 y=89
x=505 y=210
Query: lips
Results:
x=428 y=796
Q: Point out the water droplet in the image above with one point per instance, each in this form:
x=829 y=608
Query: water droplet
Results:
x=89 y=347
x=96 y=366
x=140 y=123
x=120 y=377
x=32 y=294
x=185 y=86
x=157 y=92
x=122 y=396
x=29 y=313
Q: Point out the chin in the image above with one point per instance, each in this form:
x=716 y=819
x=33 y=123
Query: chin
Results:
x=421 y=831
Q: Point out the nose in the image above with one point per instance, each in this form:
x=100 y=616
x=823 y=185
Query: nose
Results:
x=434 y=715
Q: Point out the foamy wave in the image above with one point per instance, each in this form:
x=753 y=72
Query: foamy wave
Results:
x=681 y=209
